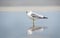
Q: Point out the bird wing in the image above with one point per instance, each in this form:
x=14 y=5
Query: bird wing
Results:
x=35 y=16
x=38 y=16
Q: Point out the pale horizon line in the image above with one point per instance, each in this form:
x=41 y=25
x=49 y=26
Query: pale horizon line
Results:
x=24 y=8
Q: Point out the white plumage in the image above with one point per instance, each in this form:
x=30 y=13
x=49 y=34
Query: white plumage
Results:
x=34 y=15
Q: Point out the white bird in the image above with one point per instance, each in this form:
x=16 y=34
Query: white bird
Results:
x=34 y=15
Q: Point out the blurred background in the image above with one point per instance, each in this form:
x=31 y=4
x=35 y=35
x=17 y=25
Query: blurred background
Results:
x=14 y=22
x=29 y=2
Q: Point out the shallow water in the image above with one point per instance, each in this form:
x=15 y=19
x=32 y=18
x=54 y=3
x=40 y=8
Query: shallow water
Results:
x=15 y=25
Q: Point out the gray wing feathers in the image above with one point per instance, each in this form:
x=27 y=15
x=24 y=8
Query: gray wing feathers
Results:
x=38 y=17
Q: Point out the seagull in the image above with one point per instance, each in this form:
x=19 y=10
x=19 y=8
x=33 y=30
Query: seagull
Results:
x=33 y=15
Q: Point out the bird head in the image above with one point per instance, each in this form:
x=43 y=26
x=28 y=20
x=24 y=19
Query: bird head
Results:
x=30 y=31
x=26 y=12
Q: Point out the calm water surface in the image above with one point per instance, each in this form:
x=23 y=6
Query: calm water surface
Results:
x=15 y=25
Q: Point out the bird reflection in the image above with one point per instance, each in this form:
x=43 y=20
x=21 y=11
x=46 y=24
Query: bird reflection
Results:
x=31 y=29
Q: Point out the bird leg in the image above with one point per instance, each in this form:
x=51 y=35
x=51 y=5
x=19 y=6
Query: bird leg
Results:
x=33 y=23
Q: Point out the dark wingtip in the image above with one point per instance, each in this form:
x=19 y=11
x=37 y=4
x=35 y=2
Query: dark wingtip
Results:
x=45 y=17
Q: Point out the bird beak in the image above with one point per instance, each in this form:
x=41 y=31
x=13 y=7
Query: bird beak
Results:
x=26 y=12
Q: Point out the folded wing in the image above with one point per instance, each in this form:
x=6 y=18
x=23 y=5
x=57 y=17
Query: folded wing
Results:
x=38 y=16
